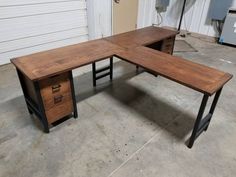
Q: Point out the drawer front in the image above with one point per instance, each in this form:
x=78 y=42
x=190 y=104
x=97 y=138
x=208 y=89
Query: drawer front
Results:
x=56 y=100
x=59 y=111
x=168 y=45
x=54 y=85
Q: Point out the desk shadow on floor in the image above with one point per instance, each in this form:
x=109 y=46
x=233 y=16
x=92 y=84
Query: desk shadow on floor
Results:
x=14 y=116
x=165 y=115
x=84 y=84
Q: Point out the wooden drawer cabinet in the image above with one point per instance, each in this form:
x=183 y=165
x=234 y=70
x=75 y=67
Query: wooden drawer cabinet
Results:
x=50 y=99
x=168 y=45
x=56 y=96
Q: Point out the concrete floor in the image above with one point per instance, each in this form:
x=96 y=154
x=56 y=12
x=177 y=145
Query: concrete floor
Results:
x=135 y=127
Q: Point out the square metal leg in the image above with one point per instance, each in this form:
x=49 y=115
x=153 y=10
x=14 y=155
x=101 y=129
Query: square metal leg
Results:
x=73 y=95
x=202 y=124
x=111 y=68
x=94 y=74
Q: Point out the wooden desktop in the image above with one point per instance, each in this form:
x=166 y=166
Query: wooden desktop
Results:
x=47 y=82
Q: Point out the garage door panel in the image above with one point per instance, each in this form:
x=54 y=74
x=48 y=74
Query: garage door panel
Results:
x=39 y=9
x=43 y=39
x=27 y=31
x=29 y=26
x=27 y=2
x=56 y=44
x=35 y=21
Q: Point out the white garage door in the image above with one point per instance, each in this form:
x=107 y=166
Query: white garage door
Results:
x=29 y=26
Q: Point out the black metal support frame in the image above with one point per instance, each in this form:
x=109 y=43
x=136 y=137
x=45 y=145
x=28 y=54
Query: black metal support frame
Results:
x=38 y=108
x=41 y=108
x=99 y=73
x=20 y=76
x=201 y=124
x=181 y=16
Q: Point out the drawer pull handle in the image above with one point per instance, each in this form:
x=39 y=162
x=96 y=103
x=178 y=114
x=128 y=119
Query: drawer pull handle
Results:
x=56 y=88
x=58 y=99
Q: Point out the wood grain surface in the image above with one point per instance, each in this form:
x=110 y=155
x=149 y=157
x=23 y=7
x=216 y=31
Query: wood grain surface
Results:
x=129 y=46
x=45 y=64
x=143 y=36
x=196 y=76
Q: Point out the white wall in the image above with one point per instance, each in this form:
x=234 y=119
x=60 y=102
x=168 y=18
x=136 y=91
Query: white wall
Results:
x=195 y=18
x=29 y=26
x=99 y=18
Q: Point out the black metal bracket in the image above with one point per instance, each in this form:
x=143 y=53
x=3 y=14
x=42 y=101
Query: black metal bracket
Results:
x=99 y=73
x=201 y=124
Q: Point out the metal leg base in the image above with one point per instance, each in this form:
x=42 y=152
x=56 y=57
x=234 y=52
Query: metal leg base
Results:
x=201 y=124
x=99 y=73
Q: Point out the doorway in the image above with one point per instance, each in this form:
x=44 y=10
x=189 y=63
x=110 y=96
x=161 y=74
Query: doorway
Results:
x=124 y=15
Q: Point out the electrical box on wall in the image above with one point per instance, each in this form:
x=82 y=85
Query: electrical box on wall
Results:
x=228 y=34
x=161 y=5
x=219 y=8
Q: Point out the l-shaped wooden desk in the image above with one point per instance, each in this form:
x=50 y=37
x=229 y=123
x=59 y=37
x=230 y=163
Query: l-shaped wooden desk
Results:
x=47 y=82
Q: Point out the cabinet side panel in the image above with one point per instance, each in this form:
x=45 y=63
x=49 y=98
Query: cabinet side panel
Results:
x=30 y=90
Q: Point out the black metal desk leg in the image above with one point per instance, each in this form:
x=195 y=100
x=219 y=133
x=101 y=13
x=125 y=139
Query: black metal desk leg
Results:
x=202 y=124
x=73 y=95
x=213 y=106
x=198 y=121
x=23 y=88
x=111 y=68
x=41 y=107
x=94 y=74
x=102 y=72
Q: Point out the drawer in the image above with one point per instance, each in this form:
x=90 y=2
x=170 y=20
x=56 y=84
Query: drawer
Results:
x=59 y=111
x=54 y=85
x=56 y=99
